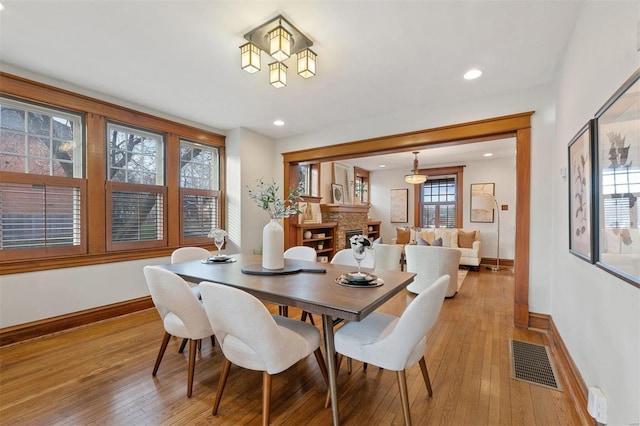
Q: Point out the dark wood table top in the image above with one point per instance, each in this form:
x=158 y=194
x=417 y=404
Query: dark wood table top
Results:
x=313 y=292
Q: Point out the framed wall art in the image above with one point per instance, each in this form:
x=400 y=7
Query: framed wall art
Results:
x=336 y=193
x=343 y=175
x=399 y=206
x=581 y=188
x=481 y=213
x=617 y=132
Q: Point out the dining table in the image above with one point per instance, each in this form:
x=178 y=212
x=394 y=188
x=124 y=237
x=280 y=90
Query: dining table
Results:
x=311 y=286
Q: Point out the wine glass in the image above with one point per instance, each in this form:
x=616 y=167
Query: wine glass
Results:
x=359 y=254
x=218 y=240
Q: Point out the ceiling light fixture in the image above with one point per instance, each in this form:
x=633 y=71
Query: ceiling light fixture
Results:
x=278 y=123
x=489 y=154
x=415 y=177
x=280 y=39
x=472 y=74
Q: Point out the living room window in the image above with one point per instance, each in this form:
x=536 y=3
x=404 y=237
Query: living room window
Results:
x=135 y=188
x=438 y=202
x=199 y=191
x=41 y=181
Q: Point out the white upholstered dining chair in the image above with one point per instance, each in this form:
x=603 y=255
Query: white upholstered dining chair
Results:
x=395 y=343
x=252 y=338
x=430 y=263
x=182 y=314
x=345 y=257
x=185 y=254
x=300 y=253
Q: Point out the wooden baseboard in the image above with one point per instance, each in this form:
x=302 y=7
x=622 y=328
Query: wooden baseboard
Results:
x=575 y=385
x=539 y=321
x=19 y=333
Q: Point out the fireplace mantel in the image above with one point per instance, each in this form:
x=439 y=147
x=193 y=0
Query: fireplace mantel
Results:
x=344 y=208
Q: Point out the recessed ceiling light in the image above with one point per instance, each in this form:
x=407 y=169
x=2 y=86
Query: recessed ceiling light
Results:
x=1 y=6
x=489 y=154
x=382 y=166
x=472 y=74
x=278 y=123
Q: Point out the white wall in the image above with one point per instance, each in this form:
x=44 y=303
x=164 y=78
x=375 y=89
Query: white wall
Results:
x=598 y=315
x=499 y=171
x=247 y=160
x=539 y=99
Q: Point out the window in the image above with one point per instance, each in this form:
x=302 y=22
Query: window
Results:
x=41 y=189
x=621 y=187
x=199 y=191
x=85 y=182
x=135 y=188
x=438 y=202
x=309 y=178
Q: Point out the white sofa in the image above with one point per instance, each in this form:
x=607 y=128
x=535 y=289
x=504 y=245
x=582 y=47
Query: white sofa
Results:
x=451 y=237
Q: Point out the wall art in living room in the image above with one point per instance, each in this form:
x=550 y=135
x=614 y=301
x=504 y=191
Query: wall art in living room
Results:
x=399 y=206
x=480 y=213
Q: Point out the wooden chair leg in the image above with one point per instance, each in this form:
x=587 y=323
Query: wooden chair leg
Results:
x=425 y=375
x=224 y=373
x=322 y=365
x=192 y=365
x=213 y=341
x=183 y=345
x=349 y=365
x=200 y=344
x=163 y=347
x=266 y=397
x=364 y=366
x=327 y=401
x=404 y=396
x=283 y=311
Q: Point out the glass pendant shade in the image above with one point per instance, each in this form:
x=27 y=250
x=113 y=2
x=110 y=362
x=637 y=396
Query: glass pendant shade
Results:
x=278 y=74
x=250 y=58
x=280 y=44
x=306 y=63
x=415 y=178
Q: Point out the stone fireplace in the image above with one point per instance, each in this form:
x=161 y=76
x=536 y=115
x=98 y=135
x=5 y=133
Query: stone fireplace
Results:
x=348 y=217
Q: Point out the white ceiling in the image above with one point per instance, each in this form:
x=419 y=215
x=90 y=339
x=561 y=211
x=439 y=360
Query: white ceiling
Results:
x=181 y=58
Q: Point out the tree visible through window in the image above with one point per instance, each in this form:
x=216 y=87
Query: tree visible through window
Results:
x=136 y=191
x=199 y=190
x=41 y=185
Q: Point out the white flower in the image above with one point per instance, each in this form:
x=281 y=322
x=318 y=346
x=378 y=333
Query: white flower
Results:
x=217 y=233
x=359 y=243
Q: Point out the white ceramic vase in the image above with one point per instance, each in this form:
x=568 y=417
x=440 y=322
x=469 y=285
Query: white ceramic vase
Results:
x=273 y=245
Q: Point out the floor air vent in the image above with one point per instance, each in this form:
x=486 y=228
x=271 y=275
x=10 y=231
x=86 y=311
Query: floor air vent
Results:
x=532 y=363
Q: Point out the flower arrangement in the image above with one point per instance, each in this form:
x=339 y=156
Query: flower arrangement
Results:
x=359 y=243
x=217 y=233
x=266 y=196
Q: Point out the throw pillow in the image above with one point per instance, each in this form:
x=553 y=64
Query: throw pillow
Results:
x=403 y=236
x=449 y=236
x=437 y=242
x=427 y=234
x=422 y=242
x=466 y=239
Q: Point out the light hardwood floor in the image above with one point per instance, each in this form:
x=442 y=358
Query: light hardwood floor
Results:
x=101 y=374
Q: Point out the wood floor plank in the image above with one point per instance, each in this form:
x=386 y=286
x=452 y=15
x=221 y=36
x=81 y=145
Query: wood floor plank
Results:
x=101 y=374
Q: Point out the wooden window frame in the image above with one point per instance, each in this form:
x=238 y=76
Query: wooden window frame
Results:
x=97 y=114
x=455 y=170
x=48 y=252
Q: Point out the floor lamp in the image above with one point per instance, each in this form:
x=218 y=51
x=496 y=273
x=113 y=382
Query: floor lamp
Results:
x=487 y=202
